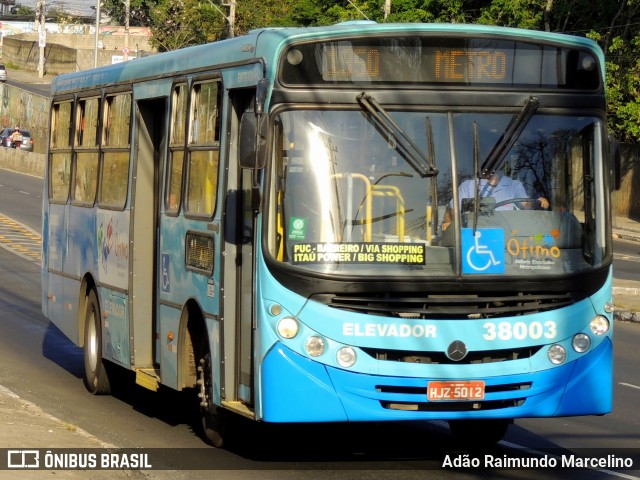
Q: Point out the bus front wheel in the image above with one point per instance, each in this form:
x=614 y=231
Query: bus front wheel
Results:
x=479 y=433
x=211 y=416
x=96 y=378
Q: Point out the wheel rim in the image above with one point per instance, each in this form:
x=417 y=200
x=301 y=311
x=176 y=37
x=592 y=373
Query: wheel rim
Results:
x=203 y=381
x=92 y=339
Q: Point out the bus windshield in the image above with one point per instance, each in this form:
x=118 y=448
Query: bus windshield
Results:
x=350 y=200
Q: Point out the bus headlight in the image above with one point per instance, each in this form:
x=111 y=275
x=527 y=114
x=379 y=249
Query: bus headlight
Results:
x=314 y=346
x=557 y=354
x=581 y=342
x=346 y=357
x=288 y=327
x=599 y=325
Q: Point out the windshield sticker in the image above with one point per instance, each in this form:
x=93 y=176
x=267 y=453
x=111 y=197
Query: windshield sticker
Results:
x=483 y=251
x=297 y=228
x=372 y=253
x=535 y=253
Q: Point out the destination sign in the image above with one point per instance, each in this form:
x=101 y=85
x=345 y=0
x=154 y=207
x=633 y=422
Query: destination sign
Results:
x=454 y=61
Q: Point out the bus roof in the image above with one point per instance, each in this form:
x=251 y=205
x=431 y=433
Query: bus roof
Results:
x=266 y=44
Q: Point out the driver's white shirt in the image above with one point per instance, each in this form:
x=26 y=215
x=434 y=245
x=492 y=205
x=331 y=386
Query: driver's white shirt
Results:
x=506 y=189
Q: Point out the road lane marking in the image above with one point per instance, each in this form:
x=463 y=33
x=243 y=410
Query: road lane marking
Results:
x=631 y=385
x=20 y=239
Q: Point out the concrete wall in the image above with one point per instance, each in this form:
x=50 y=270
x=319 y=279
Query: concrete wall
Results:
x=70 y=53
x=23 y=162
x=29 y=111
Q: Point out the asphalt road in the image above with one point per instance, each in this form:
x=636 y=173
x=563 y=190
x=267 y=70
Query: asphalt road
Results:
x=42 y=366
x=626 y=256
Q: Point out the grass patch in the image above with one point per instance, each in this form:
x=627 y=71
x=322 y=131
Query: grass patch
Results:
x=71 y=428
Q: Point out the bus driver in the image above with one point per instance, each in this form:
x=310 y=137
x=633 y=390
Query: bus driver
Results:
x=496 y=185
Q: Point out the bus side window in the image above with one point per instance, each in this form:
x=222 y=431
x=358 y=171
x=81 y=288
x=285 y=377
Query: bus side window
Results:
x=176 y=148
x=115 y=161
x=86 y=159
x=204 y=149
x=60 y=158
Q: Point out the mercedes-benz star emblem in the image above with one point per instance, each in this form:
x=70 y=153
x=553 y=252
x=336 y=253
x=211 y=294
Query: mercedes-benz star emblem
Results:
x=456 y=350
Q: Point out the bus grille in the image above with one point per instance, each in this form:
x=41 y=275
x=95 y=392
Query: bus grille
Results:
x=439 y=358
x=439 y=306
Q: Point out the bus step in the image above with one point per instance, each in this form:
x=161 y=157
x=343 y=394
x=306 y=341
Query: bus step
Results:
x=239 y=408
x=148 y=378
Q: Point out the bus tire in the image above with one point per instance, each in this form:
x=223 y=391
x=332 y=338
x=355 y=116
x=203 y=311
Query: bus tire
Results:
x=96 y=378
x=478 y=433
x=211 y=416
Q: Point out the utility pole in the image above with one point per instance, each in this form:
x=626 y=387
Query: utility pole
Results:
x=95 y=51
x=231 y=18
x=42 y=35
x=127 y=14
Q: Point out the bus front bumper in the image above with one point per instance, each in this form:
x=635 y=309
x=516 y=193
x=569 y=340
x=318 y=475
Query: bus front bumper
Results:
x=297 y=389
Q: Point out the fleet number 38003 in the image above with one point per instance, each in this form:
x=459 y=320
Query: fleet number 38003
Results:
x=520 y=330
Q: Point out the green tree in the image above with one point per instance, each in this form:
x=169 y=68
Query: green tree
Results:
x=178 y=23
x=251 y=14
x=20 y=9
x=514 y=13
x=139 y=11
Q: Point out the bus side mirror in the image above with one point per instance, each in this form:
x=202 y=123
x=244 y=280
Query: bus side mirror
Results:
x=253 y=131
x=251 y=152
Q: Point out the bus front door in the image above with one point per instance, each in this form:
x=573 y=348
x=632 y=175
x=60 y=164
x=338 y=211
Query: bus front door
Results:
x=240 y=237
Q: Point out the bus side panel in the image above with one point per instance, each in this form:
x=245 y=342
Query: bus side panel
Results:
x=56 y=284
x=176 y=286
x=80 y=255
x=109 y=241
x=112 y=244
x=78 y=259
x=169 y=345
x=115 y=315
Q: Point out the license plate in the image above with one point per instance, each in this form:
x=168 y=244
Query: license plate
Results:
x=457 y=390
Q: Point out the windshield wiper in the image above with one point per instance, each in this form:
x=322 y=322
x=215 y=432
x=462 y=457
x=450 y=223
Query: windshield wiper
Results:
x=403 y=144
x=510 y=135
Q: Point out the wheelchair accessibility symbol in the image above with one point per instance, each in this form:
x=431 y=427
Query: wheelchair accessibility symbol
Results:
x=166 y=273
x=483 y=252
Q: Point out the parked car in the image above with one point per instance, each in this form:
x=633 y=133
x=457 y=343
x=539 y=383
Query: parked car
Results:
x=3 y=73
x=26 y=144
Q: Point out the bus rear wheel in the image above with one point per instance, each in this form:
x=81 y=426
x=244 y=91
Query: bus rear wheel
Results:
x=478 y=433
x=96 y=378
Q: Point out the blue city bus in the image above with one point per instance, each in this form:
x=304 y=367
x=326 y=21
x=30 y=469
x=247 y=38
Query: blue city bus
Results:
x=354 y=223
